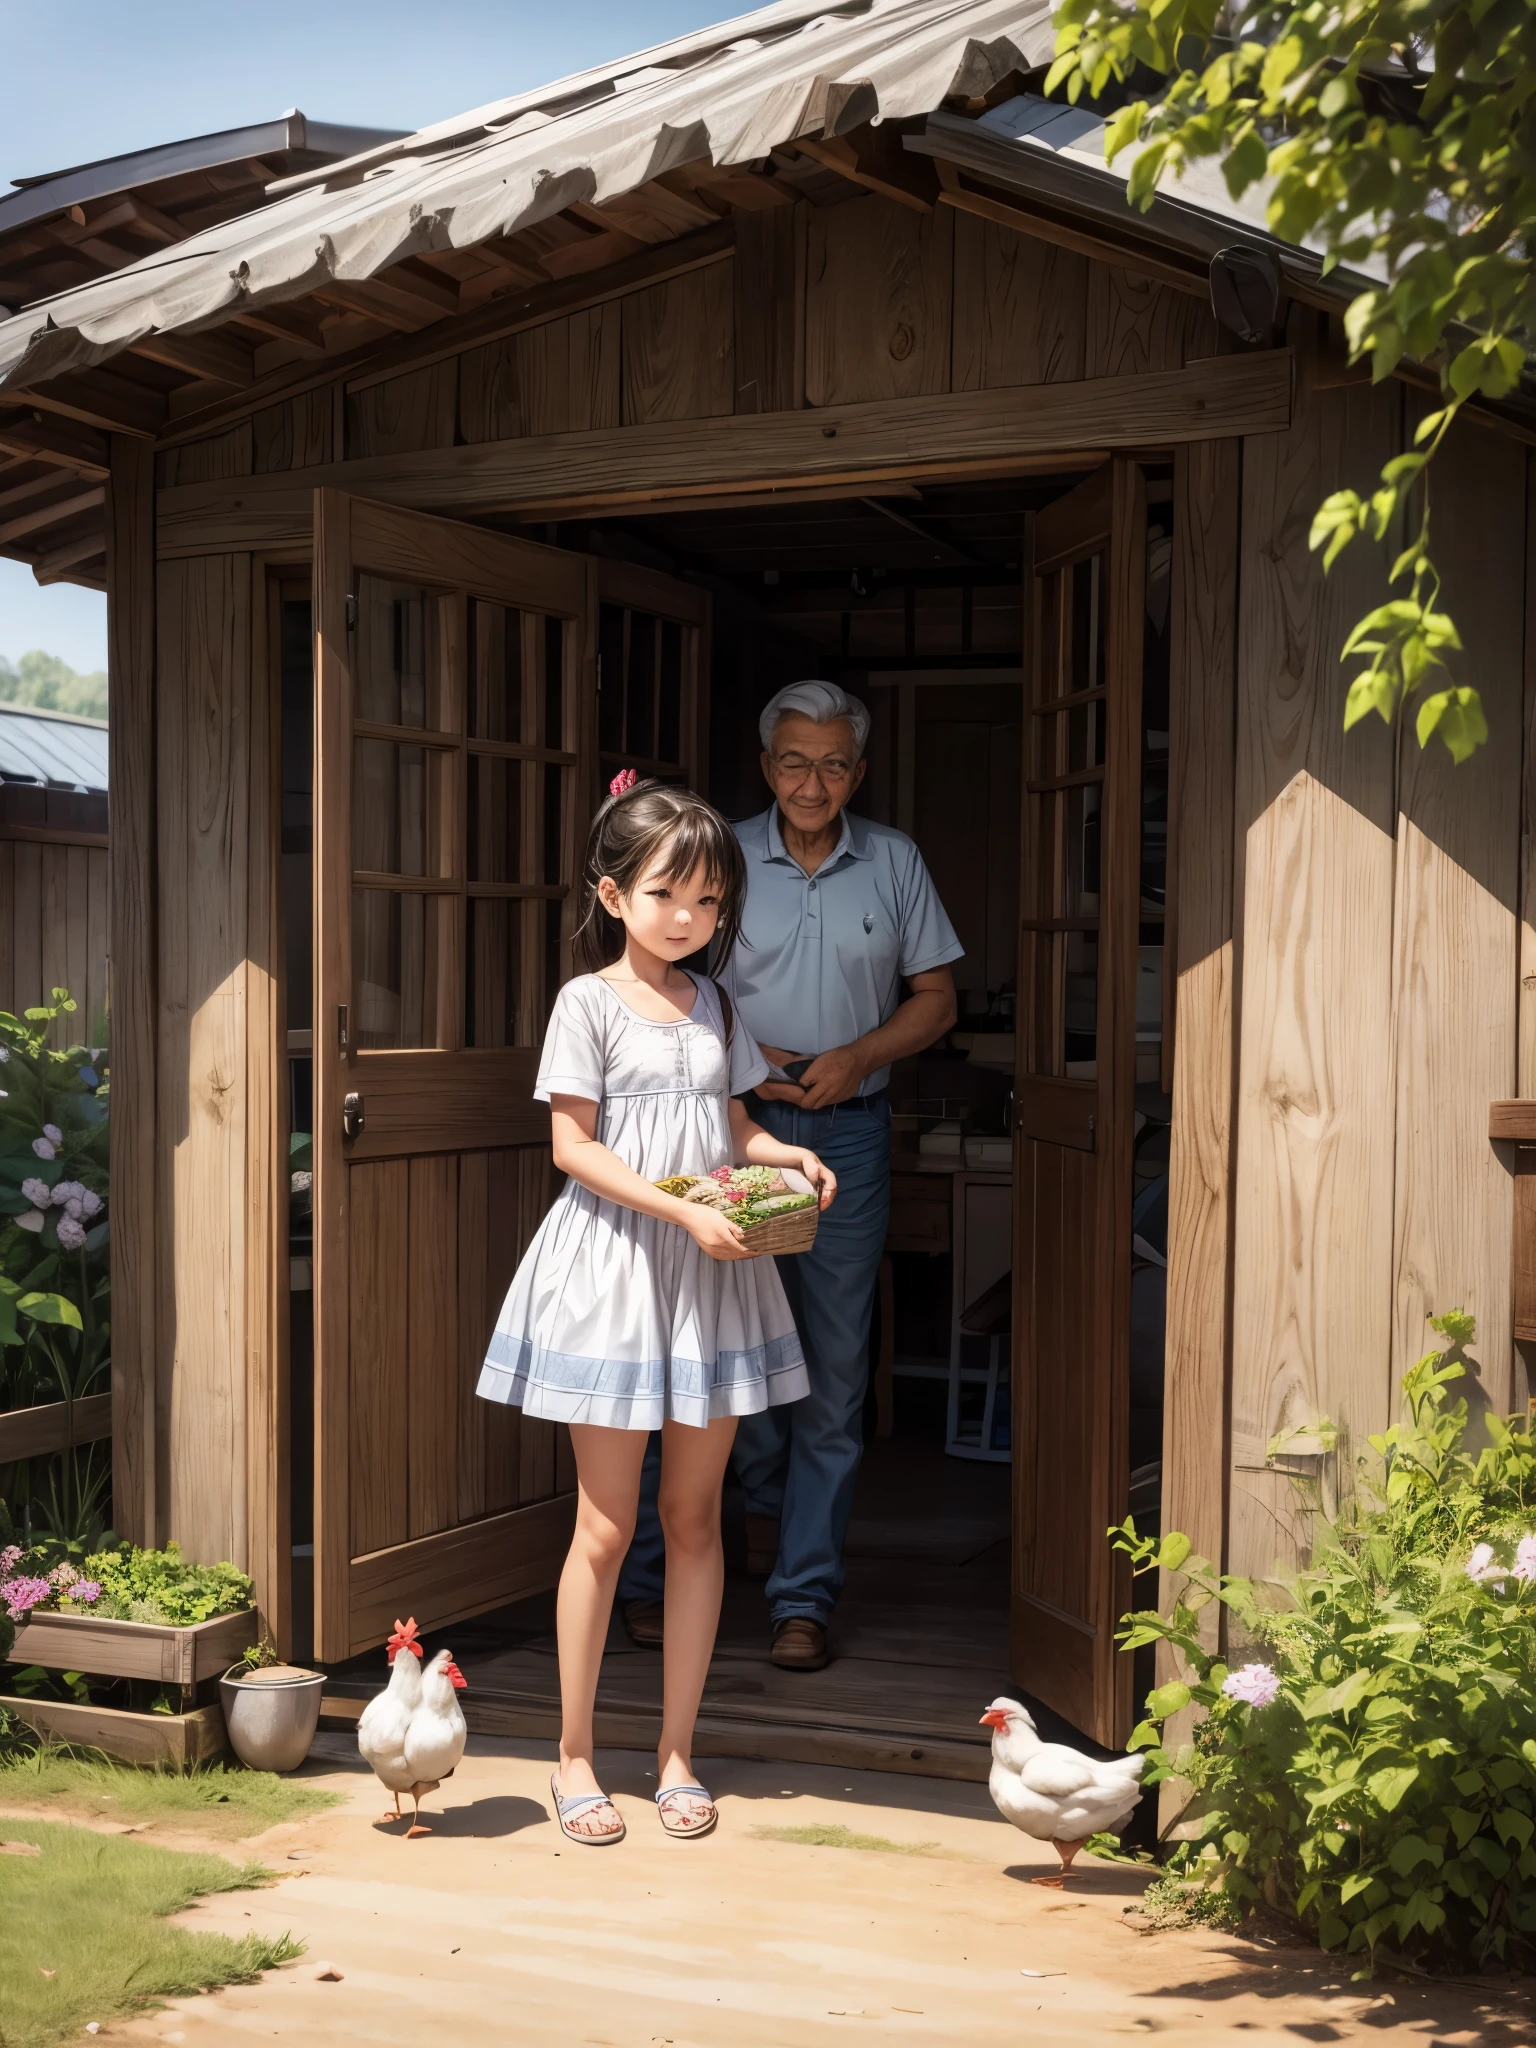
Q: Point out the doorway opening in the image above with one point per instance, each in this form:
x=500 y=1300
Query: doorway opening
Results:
x=928 y=603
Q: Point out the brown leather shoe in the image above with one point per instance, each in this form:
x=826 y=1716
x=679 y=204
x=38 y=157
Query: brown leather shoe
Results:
x=800 y=1644
x=644 y=1620
x=762 y=1544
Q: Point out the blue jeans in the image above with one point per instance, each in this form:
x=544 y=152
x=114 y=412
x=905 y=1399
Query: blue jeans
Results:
x=798 y=1462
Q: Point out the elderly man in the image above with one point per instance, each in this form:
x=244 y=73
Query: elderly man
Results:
x=840 y=912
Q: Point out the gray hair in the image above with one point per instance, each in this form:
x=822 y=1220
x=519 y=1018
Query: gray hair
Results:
x=822 y=702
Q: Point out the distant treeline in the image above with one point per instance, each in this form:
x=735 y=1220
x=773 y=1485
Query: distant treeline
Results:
x=52 y=685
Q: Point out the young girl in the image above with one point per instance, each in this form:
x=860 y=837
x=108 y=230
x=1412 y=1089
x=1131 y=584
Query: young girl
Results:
x=633 y=1310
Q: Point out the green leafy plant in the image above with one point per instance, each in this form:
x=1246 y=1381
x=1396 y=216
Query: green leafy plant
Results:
x=1375 y=1775
x=159 y=1585
x=1399 y=138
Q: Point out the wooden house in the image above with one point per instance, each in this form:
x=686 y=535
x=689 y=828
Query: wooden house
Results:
x=53 y=866
x=469 y=468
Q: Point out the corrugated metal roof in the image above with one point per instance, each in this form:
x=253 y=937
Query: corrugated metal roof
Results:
x=728 y=94
x=52 y=748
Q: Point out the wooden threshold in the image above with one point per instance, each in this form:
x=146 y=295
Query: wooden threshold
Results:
x=955 y=434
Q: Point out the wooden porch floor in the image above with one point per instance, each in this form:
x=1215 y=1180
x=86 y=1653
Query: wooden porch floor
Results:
x=920 y=1642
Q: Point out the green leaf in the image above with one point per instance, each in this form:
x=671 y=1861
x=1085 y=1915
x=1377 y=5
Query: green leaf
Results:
x=1168 y=1699
x=50 y=1308
x=1173 y=1550
x=1388 y=1787
x=1457 y=716
x=1409 y=1851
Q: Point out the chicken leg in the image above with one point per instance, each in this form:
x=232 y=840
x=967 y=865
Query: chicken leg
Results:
x=417 y=1790
x=1066 y=1851
x=396 y=1814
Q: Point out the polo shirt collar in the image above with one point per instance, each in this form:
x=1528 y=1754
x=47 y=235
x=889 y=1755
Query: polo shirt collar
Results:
x=853 y=842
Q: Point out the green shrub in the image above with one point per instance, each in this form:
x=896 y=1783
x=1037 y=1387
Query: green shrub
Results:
x=1376 y=1775
x=158 y=1585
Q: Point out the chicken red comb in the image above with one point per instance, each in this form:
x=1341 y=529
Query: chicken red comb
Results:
x=455 y=1676
x=623 y=782
x=404 y=1638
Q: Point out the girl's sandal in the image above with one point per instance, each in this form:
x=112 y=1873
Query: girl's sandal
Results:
x=578 y=1805
x=681 y=1823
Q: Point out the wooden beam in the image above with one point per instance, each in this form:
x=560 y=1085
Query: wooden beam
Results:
x=1027 y=220
x=34 y=487
x=133 y=980
x=374 y=361
x=100 y=398
x=56 y=1426
x=953 y=434
x=892 y=172
x=52 y=515
x=285 y=323
x=54 y=567
x=76 y=448
x=221 y=356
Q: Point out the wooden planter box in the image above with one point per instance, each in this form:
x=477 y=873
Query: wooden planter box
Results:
x=176 y=1740
x=136 y=1649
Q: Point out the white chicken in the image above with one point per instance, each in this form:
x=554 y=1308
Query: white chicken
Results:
x=1054 y=1793
x=435 y=1733
x=382 y=1725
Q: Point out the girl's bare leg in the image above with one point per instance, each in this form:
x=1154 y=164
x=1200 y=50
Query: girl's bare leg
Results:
x=607 y=1491
x=693 y=1463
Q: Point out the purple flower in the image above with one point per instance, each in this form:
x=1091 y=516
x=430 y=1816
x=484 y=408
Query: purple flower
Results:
x=22 y=1595
x=10 y=1557
x=1482 y=1568
x=1254 y=1683
x=90 y=1203
x=37 y=1193
x=53 y=1134
x=88 y=1590
x=71 y=1233
x=1525 y=1559
x=43 y=1147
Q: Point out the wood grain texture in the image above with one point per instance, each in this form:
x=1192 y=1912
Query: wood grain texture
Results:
x=380 y=1417
x=1315 y=810
x=956 y=432
x=432 y=1344
x=462 y=1571
x=131 y=757
x=294 y=434
x=472 y=1311
x=1020 y=308
x=1455 y=933
x=1527 y=1001
x=406 y=414
x=505 y=1243
x=560 y=378
x=53 y=1426
x=678 y=348
x=220 y=455
x=1202 y=744
x=204 y=735
x=770 y=308
x=879 y=287
x=1135 y=325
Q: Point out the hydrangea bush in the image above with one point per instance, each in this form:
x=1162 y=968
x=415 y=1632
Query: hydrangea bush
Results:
x=1374 y=1772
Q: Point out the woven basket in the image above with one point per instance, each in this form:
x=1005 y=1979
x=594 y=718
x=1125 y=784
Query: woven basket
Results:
x=795 y=1232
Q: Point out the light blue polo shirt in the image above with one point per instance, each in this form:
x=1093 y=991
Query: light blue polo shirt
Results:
x=822 y=957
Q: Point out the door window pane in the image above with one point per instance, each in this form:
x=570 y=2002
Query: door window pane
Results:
x=640 y=699
x=404 y=967
x=1087 y=595
x=669 y=694
x=400 y=814
x=495 y=671
x=495 y=819
x=398 y=654
x=493 y=962
x=610 y=683
x=1080 y=877
x=1081 y=1005
x=554 y=820
x=552 y=732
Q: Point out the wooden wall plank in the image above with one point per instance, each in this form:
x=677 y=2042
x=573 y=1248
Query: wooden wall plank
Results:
x=27 y=919
x=293 y=434
x=405 y=414
x=432 y=1344
x=678 y=349
x=504 y=1247
x=205 y=702
x=1134 y=325
x=560 y=378
x=95 y=1005
x=1201 y=753
x=879 y=286
x=1021 y=308
x=202 y=462
x=770 y=308
x=379 y=1350
x=10 y=997
x=1527 y=1010
x=536 y=1448
x=1312 y=1326
x=472 y=1321
x=133 y=979
x=1455 y=936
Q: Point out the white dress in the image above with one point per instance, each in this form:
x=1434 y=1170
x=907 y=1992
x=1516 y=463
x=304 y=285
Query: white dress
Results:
x=618 y=1318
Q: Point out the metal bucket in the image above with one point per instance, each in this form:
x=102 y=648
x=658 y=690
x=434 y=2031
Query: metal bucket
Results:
x=271 y=1715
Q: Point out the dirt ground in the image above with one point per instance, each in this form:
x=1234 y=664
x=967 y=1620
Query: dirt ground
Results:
x=494 y=1929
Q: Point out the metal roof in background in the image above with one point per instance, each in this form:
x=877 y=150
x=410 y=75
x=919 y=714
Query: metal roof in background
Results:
x=52 y=749
x=728 y=94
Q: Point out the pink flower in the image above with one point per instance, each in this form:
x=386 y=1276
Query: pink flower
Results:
x=43 y=1147
x=22 y=1595
x=623 y=782
x=10 y=1557
x=721 y=1173
x=63 y=1575
x=88 y=1590
x=1482 y=1568
x=71 y=1233
x=1255 y=1684
x=1525 y=1559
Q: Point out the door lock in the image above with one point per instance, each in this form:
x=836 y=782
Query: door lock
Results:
x=351 y=1115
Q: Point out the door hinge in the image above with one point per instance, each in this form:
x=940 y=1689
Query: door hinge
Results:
x=343 y=1029
x=351 y=1115
x=351 y=613
x=1092 y=1126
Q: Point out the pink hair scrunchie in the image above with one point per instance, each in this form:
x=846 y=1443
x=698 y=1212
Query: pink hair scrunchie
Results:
x=623 y=782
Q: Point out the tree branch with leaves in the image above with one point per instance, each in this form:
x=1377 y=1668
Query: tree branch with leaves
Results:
x=1400 y=139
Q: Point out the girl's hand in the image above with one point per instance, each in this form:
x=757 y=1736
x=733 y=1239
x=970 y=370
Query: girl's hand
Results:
x=713 y=1231
x=822 y=1178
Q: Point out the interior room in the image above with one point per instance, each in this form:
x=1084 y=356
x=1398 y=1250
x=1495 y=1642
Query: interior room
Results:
x=914 y=599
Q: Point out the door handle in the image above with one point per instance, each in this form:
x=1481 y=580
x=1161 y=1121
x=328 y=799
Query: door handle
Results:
x=351 y=1115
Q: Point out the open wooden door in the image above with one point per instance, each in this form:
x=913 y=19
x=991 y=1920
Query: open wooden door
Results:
x=652 y=675
x=454 y=769
x=1075 y=1096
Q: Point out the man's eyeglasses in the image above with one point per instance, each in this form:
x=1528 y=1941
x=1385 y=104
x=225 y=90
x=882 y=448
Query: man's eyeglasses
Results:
x=832 y=770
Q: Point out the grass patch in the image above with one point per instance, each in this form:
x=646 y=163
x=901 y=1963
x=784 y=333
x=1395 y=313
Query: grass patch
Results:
x=832 y=1835
x=225 y=1804
x=91 y=1909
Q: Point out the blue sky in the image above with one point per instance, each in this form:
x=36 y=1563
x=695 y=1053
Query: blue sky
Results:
x=88 y=80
